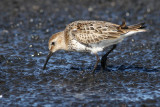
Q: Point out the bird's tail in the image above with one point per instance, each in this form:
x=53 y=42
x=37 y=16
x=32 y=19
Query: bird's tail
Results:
x=136 y=28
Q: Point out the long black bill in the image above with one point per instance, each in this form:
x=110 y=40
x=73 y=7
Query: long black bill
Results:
x=48 y=57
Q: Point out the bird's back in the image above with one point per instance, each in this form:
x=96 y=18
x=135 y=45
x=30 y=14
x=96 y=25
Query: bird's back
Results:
x=100 y=33
x=88 y=25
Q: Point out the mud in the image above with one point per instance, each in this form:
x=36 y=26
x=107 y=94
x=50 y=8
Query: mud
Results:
x=132 y=77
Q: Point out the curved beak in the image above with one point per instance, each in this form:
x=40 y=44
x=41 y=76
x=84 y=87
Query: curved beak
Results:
x=48 y=57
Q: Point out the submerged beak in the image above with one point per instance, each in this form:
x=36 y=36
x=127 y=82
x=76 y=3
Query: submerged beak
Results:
x=48 y=57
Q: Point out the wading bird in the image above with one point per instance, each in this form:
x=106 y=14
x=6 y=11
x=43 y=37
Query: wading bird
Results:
x=91 y=36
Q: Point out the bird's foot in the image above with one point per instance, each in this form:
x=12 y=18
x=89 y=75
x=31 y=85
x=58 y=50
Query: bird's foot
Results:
x=93 y=71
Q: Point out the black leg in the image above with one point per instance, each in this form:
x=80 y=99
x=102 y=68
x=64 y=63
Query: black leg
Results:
x=104 y=58
x=95 y=66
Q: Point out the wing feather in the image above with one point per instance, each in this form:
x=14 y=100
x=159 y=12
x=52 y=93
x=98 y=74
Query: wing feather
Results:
x=90 y=32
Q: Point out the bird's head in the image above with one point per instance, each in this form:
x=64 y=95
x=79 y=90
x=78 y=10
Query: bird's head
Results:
x=56 y=42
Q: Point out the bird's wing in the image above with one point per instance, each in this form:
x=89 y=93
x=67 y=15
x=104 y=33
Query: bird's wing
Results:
x=90 y=32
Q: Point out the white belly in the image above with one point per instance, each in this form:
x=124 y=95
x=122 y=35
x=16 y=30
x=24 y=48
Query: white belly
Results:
x=93 y=48
x=76 y=46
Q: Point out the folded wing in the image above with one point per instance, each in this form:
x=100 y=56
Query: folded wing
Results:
x=91 y=32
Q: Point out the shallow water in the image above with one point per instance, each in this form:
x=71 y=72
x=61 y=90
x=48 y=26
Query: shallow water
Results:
x=132 y=76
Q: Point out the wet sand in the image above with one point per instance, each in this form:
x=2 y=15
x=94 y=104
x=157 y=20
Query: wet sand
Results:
x=132 y=77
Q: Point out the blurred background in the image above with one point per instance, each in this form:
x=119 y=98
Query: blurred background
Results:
x=132 y=77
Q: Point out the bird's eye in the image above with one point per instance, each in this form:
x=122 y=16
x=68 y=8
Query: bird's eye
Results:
x=53 y=43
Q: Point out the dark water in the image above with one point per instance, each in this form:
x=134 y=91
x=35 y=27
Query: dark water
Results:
x=133 y=75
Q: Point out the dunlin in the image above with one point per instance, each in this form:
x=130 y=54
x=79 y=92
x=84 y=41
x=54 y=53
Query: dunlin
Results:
x=91 y=36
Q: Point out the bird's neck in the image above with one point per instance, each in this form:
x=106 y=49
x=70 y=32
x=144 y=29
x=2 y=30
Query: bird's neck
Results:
x=64 y=40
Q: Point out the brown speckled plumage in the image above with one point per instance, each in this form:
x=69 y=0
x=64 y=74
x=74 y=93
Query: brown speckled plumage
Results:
x=91 y=36
x=93 y=31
